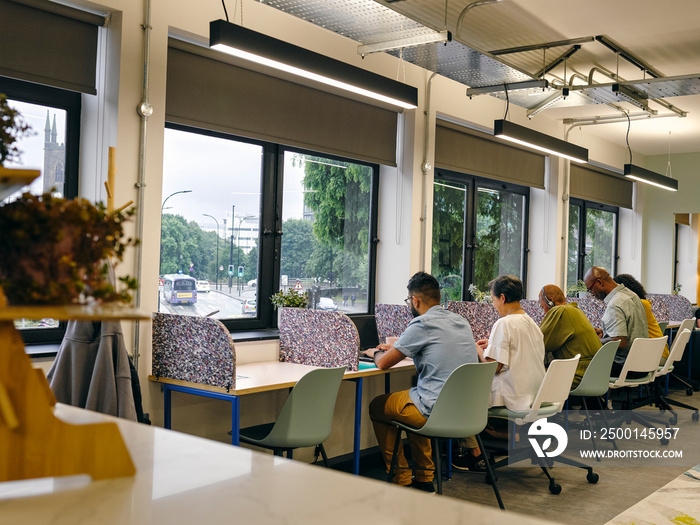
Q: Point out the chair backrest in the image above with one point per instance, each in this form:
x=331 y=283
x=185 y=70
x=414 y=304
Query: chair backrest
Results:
x=307 y=414
x=644 y=356
x=461 y=408
x=597 y=376
x=554 y=389
x=676 y=353
x=687 y=324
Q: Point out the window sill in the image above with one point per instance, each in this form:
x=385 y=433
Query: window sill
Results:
x=255 y=335
x=37 y=351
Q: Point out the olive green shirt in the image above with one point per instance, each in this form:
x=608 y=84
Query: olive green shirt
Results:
x=567 y=332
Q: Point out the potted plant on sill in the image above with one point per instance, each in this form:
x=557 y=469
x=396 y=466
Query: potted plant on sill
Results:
x=578 y=290
x=289 y=298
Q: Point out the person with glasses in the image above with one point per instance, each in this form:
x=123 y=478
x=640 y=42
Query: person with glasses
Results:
x=566 y=330
x=438 y=341
x=624 y=318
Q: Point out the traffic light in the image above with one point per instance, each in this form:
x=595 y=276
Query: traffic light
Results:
x=230 y=269
x=240 y=271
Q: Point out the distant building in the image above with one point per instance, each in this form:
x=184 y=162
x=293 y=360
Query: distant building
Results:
x=54 y=157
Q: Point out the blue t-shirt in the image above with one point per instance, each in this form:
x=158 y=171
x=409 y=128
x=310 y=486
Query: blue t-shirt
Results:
x=438 y=342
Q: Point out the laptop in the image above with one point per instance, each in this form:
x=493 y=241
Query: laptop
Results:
x=369 y=336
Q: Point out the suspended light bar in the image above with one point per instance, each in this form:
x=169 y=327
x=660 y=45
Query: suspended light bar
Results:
x=650 y=177
x=539 y=141
x=262 y=49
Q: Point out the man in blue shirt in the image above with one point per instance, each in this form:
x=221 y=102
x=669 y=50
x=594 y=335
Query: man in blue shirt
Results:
x=438 y=341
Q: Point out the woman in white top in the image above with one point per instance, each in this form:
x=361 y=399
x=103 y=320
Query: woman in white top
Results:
x=516 y=342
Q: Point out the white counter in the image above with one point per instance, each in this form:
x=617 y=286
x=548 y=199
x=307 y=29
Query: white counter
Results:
x=185 y=479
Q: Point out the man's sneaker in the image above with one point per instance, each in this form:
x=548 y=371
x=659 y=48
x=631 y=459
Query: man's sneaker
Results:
x=425 y=486
x=468 y=461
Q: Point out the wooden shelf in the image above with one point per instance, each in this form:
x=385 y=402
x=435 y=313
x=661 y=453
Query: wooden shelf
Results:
x=74 y=312
x=13 y=180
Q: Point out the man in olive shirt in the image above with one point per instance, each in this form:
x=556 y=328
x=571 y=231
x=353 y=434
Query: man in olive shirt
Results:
x=566 y=329
x=624 y=318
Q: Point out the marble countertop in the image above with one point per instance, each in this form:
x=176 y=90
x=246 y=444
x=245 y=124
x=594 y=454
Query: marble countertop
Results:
x=186 y=479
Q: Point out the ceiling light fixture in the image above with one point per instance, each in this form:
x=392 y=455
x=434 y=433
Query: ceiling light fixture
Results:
x=650 y=177
x=539 y=141
x=262 y=49
x=410 y=41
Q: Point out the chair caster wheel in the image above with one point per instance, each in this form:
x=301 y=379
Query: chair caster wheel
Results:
x=689 y=391
x=695 y=416
x=673 y=420
x=554 y=488
x=664 y=441
x=592 y=477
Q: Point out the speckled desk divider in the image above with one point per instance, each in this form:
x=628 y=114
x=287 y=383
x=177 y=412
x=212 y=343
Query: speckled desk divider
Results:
x=318 y=338
x=194 y=349
x=481 y=316
x=660 y=309
x=679 y=307
x=533 y=309
x=392 y=319
x=592 y=307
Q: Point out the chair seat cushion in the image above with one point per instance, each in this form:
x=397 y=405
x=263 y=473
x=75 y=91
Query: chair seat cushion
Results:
x=630 y=381
x=546 y=410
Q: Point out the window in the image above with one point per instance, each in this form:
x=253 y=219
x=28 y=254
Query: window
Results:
x=592 y=238
x=479 y=232
x=54 y=117
x=252 y=217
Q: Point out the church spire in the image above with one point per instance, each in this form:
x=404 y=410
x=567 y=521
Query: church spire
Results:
x=47 y=129
x=54 y=133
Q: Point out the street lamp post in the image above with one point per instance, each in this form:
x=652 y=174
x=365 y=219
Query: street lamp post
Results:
x=238 y=262
x=160 y=260
x=230 y=258
x=216 y=270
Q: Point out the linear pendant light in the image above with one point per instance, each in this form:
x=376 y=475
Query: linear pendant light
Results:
x=650 y=177
x=534 y=139
x=262 y=49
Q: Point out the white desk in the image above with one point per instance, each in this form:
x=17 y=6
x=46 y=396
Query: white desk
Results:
x=182 y=479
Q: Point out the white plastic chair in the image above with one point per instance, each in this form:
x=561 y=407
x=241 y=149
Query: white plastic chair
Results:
x=676 y=354
x=549 y=401
x=690 y=385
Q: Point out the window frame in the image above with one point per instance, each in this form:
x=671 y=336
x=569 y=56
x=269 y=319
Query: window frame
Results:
x=270 y=226
x=71 y=103
x=472 y=184
x=584 y=206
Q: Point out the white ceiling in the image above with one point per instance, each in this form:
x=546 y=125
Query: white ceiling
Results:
x=665 y=35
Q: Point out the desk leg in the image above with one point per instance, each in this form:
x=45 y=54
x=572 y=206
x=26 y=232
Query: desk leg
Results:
x=387 y=383
x=358 y=424
x=235 y=420
x=167 y=396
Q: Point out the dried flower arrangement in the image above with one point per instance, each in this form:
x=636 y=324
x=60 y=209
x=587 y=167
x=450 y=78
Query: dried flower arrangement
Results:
x=57 y=251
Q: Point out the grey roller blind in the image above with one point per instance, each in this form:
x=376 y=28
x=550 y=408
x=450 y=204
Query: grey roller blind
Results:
x=204 y=91
x=473 y=153
x=600 y=185
x=53 y=45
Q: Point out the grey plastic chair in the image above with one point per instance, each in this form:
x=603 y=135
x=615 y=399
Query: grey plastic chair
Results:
x=306 y=417
x=460 y=410
x=594 y=382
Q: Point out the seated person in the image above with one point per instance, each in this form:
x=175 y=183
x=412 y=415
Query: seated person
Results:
x=438 y=341
x=624 y=318
x=566 y=330
x=653 y=326
x=516 y=342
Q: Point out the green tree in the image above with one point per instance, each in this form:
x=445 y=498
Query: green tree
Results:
x=339 y=195
x=449 y=202
x=297 y=247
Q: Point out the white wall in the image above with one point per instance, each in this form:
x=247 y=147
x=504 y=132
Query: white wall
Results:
x=113 y=121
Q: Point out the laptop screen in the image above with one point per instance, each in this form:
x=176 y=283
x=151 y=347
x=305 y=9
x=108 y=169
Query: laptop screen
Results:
x=367 y=328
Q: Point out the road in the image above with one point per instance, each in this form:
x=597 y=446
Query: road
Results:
x=208 y=302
